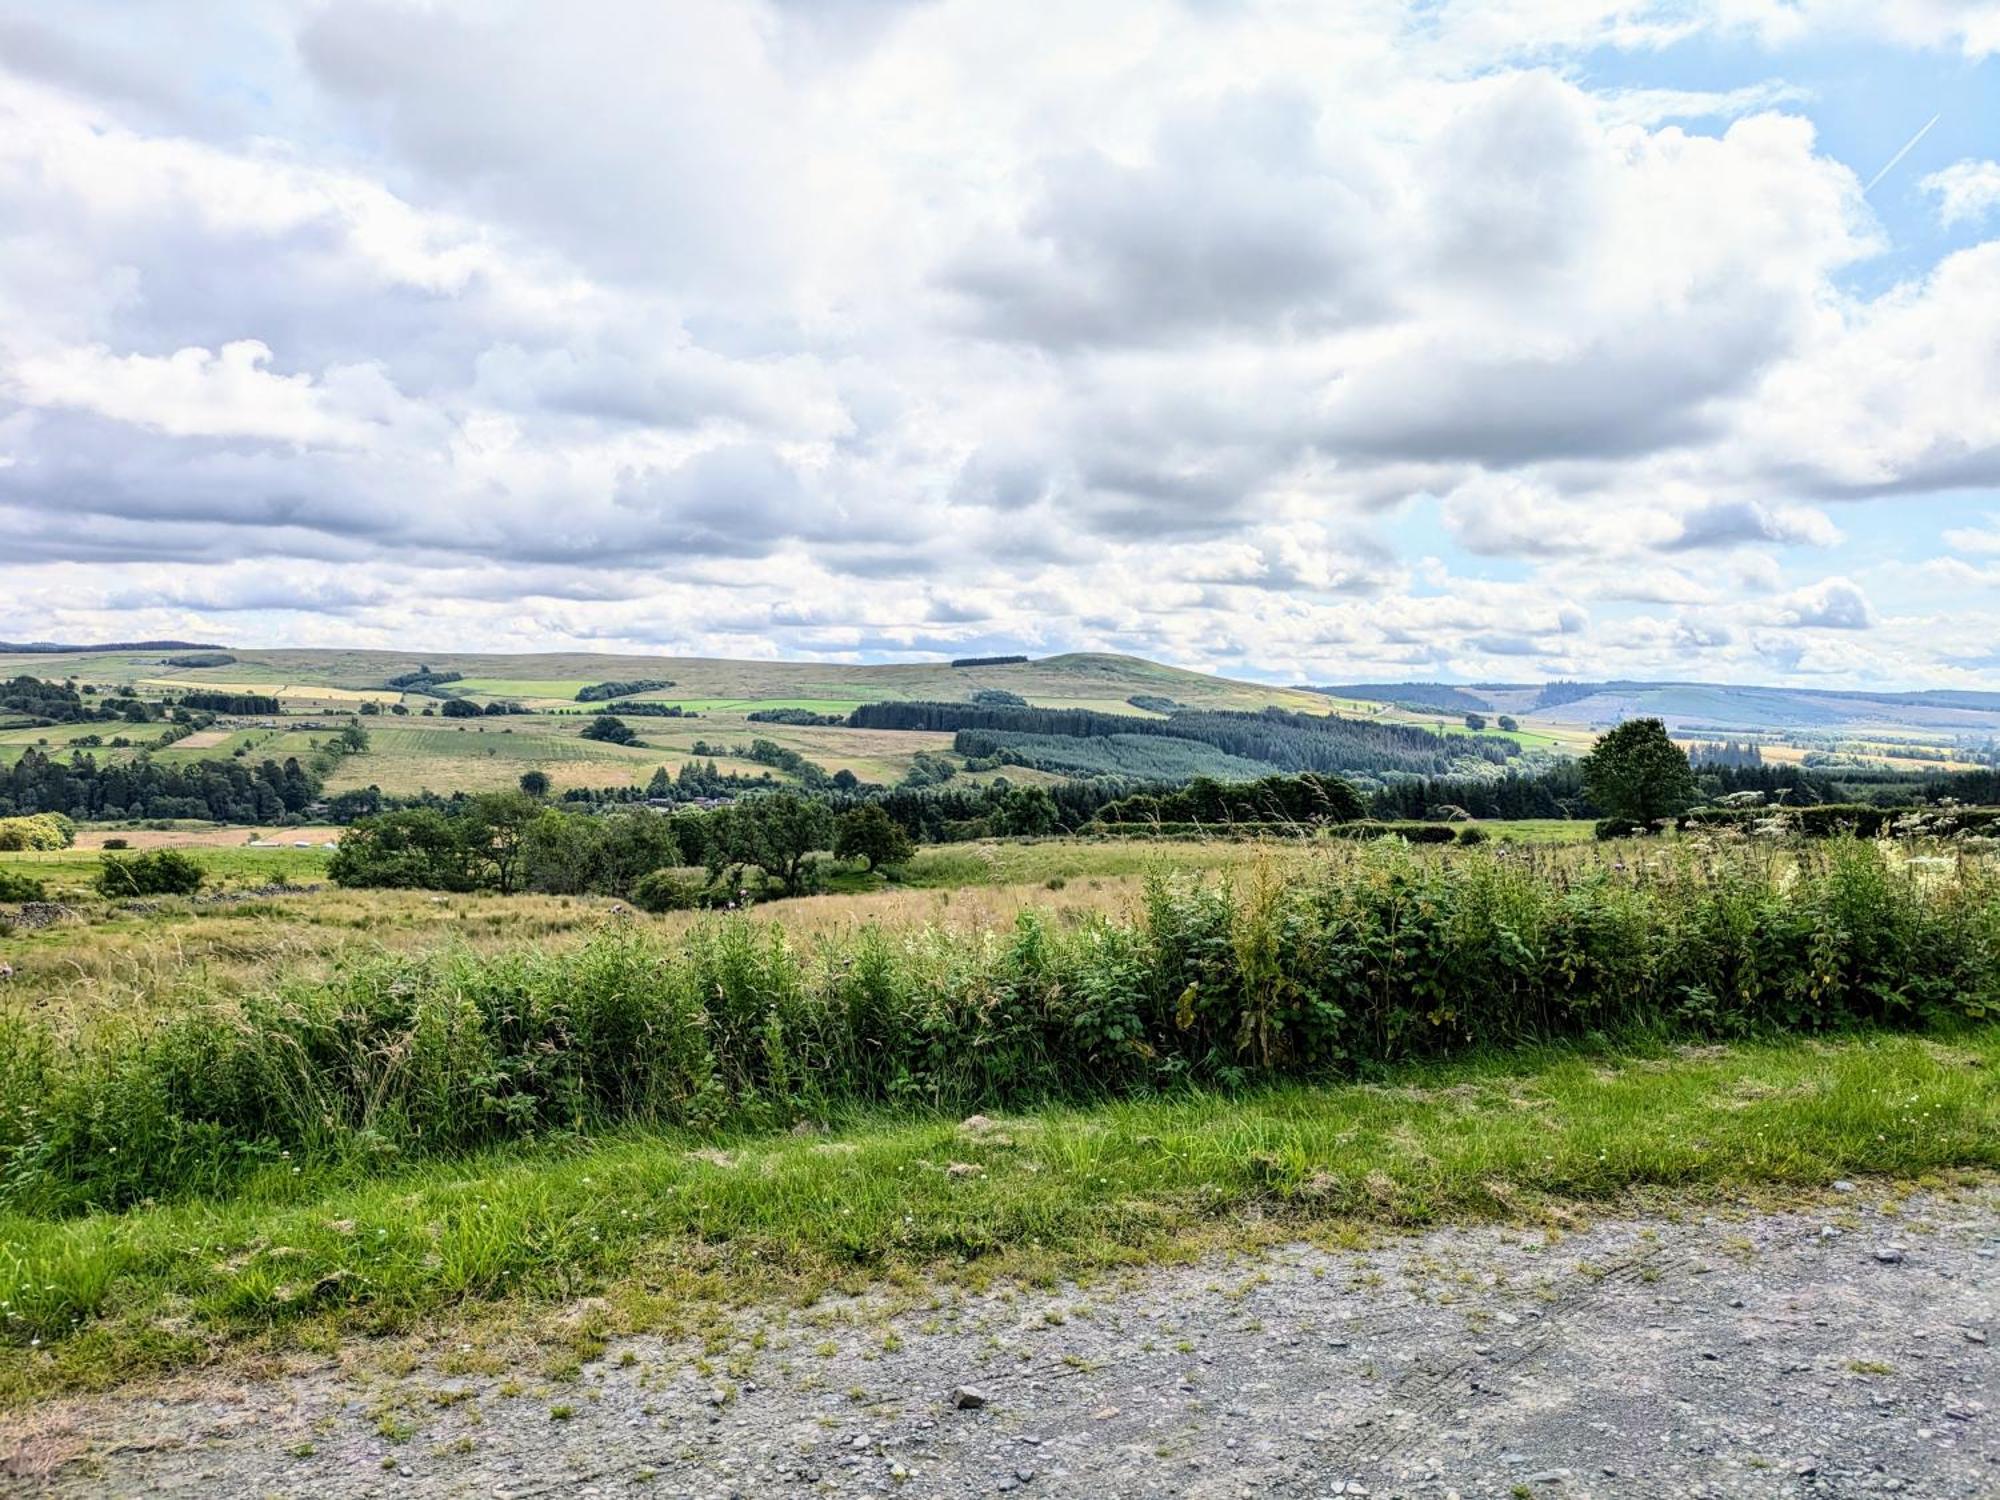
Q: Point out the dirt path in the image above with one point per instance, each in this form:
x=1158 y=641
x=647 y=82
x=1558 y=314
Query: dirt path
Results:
x=1843 y=1351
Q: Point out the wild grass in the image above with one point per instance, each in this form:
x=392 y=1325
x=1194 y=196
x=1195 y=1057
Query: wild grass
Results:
x=1311 y=969
x=665 y=1223
x=178 y=955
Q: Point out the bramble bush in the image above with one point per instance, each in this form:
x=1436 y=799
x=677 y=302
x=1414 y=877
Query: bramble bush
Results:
x=1308 y=968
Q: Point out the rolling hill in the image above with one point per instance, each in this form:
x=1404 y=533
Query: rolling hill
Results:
x=416 y=746
x=1697 y=705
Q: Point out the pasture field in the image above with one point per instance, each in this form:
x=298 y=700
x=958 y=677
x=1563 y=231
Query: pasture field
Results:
x=67 y=873
x=410 y=755
x=477 y=755
x=184 y=834
x=59 y=738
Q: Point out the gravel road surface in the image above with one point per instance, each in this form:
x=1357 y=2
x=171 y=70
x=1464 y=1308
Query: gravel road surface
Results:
x=1843 y=1350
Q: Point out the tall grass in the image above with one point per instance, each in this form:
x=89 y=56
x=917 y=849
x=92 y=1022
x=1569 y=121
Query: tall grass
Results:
x=1312 y=968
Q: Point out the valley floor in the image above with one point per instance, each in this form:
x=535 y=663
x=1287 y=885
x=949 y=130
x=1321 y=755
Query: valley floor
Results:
x=1844 y=1345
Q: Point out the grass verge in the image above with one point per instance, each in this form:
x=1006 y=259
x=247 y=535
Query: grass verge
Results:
x=663 y=1224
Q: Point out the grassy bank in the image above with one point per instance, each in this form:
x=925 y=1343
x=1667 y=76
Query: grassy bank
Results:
x=1307 y=969
x=665 y=1226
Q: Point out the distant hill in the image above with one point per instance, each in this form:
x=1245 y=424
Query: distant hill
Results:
x=60 y=648
x=1697 y=705
x=552 y=679
x=1445 y=696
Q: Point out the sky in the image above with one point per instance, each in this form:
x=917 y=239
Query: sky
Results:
x=1467 y=340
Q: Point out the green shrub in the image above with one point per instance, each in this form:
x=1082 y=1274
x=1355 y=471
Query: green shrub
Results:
x=1472 y=833
x=17 y=887
x=1415 y=833
x=669 y=890
x=156 y=872
x=118 y=843
x=37 y=831
x=1355 y=957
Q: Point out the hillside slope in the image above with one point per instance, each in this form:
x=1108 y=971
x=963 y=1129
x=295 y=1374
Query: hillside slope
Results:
x=1079 y=680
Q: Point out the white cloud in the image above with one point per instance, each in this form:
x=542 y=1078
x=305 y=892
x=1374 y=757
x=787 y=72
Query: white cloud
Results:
x=210 y=393
x=1967 y=191
x=1975 y=539
x=864 y=327
x=1836 y=604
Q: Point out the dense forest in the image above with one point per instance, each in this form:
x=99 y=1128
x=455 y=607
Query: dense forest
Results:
x=1274 y=737
x=226 y=791
x=422 y=680
x=1154 y=757
x=231 y=703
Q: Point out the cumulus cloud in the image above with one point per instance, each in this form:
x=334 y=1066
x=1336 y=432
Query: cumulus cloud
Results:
x=1836 y=604
x=226 y=392
x=1967 y=191
x=1254 y=336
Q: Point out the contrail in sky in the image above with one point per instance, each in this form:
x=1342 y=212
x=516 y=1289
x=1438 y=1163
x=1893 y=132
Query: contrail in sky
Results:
x=1908 y=146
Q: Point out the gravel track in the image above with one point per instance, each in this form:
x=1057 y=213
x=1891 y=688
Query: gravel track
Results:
x=1841 y=1350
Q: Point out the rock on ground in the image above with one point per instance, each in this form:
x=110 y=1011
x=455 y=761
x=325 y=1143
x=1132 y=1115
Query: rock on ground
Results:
x=1756 y=1354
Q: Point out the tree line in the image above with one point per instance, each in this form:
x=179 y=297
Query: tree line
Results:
x=598 y=692
x=757 y=847
x=224 y=791
x=230 y=703
x=64 y=703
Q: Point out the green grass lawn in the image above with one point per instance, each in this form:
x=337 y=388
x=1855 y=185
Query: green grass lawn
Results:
x=665 y=1224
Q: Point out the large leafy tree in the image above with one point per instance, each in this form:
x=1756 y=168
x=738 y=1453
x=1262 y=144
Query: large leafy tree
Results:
x=1637 y=772
x=493 y=826
x=418 y=848
x=775 y=831
x=869 y=834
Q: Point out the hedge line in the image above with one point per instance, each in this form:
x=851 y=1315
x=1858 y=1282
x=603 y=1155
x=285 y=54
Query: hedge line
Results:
x=1357 y=956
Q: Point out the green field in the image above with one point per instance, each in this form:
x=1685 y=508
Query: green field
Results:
x=69 y=872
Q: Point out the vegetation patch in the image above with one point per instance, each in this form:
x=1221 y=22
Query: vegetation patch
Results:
x=598 y=692
x=646 y=1221
x=1360 y=958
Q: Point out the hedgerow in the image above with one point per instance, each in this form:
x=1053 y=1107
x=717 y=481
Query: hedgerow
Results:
x=1359 y=956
